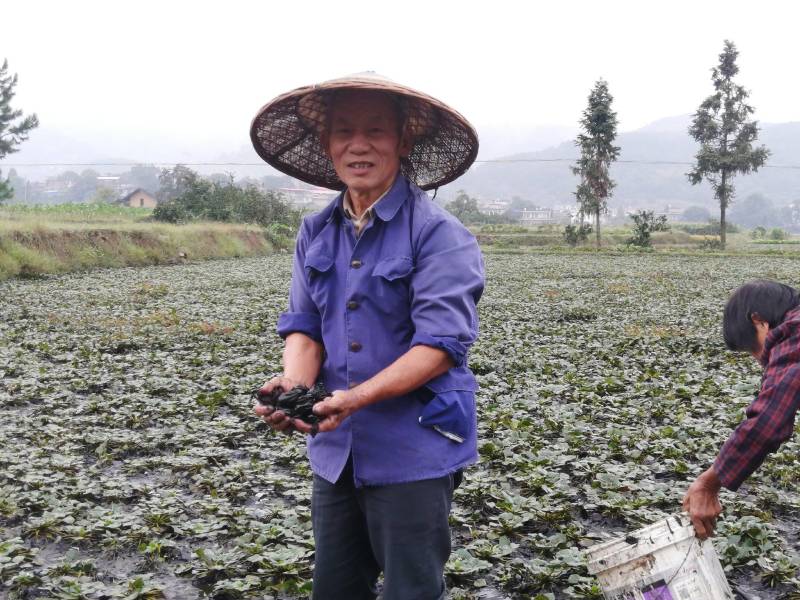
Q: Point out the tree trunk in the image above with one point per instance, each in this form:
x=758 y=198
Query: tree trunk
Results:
x=723 y=204
x=597 y=228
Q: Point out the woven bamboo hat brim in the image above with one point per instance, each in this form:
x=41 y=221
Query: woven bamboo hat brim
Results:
x=286 y=133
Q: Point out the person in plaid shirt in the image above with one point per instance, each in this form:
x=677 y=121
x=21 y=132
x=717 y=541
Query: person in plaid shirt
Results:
x=763 y=318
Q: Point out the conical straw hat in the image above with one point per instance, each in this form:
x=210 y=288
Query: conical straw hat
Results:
x=286 y=133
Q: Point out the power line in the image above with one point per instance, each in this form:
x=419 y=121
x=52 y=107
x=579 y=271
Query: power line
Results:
x=630 y=162
x=261 y=164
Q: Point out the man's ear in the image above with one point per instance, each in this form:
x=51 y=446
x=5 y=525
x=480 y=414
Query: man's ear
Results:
x=406 y=143
x=324 y=140
x=757 y=321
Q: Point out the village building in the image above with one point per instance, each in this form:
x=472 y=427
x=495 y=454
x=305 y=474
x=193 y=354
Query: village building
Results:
x=495 y=208
x=308 y=198
x=139 y=198
x=56 y=186
x=111 y=181
x=544 y=216
x=673 y=213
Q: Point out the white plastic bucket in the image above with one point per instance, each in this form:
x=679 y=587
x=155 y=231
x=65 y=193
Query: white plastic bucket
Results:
x=664 y=561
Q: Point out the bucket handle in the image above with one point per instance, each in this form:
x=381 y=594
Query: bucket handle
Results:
x=680 y=566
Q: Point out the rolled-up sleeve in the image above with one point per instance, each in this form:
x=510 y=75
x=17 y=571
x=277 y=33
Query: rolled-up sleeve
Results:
x=447 y=283
x=302 y=315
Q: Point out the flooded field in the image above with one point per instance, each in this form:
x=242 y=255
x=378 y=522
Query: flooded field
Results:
x=131 y=465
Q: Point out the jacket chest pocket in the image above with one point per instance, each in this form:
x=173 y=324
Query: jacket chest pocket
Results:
x=391 y=281
x=319 y=271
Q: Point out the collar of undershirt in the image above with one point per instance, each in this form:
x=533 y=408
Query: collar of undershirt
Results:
x=349 y=212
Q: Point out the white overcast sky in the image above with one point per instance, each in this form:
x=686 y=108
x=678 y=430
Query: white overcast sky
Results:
x=199 y=70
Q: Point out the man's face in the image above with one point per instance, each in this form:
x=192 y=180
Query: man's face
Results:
x=364 y=142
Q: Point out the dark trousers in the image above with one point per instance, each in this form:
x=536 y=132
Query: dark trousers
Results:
x=399 y=529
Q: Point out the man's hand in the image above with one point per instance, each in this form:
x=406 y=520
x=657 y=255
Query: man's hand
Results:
x=275 y=418
x=702 y=503
x=332 y=411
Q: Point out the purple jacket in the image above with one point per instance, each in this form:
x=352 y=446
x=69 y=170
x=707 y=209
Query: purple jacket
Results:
x=413 y=277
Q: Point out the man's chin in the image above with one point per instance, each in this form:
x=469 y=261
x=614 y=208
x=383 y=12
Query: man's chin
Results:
x=360 y=185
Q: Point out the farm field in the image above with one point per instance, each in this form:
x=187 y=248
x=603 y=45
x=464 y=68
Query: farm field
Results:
x=131 y=465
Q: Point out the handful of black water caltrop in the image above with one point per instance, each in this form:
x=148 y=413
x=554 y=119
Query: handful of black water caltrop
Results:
x=297 y=403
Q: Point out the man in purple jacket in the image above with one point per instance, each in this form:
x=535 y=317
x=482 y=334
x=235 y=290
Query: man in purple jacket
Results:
x=382 y=310
x=763 y=318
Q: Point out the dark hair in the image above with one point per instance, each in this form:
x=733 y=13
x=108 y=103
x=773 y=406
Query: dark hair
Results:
x=763 y=298
x=399 y=107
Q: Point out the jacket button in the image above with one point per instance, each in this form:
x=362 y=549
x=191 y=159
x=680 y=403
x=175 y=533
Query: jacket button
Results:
x=356 y=264
x=355 y=346
x=352 y=305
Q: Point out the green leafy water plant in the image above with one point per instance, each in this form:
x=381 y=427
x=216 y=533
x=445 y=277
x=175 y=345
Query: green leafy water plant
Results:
x=127 y=431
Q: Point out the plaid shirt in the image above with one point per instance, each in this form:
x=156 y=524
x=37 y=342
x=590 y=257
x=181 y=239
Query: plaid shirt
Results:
x=770 y=418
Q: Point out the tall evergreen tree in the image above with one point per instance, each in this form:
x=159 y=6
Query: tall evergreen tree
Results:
x=725 y=134
x=599 y=130
x=13 y=127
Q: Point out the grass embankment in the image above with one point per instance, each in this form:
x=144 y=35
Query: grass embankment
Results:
x=66 y=238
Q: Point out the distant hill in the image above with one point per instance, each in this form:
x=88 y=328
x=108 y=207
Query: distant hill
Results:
x=545 y=183
x=51 y=146
x=666 y=140
x=48 y=145
x=508 y=139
